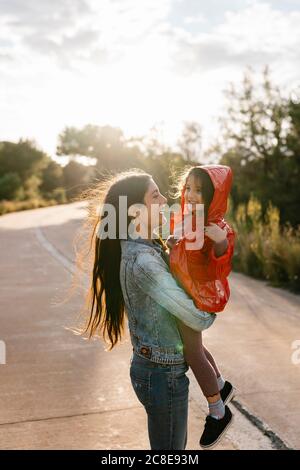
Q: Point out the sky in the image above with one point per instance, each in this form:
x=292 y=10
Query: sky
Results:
x=135 y=63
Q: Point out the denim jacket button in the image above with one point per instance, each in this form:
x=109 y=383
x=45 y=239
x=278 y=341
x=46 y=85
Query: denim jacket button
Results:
x=146 y=351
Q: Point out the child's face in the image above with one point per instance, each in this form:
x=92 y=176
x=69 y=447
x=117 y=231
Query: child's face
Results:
x=193 y=191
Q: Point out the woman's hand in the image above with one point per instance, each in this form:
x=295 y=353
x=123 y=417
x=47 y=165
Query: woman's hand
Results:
x=171 y=241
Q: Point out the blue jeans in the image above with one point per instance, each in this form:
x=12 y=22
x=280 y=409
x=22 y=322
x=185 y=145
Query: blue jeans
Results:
x=163 y=391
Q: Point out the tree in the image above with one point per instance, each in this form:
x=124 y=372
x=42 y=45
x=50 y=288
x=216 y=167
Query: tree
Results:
x=259 y=143
x=75 y=178
x=21 y=165
x=190 y=142
x=10 y=185
x=52 y=178
x=293 y=161
x=23 y=158
x=163 y=168
x=105 y=144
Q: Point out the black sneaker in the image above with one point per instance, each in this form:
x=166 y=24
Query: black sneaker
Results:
x=214 y=429
x=227 y=393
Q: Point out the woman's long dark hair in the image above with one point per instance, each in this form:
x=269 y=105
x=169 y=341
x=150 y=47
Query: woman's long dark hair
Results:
x=105 y=301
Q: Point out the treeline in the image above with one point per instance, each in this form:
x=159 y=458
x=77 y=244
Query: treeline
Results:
x=29 y=178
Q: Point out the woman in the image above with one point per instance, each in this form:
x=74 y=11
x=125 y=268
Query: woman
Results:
x=132 y=275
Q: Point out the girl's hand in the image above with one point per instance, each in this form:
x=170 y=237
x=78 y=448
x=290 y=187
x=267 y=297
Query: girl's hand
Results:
x=215 y=233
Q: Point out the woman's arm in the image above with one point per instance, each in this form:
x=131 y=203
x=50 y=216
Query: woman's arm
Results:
x=153 y=277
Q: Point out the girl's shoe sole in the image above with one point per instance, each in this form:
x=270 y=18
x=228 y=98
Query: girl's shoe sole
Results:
x=220 y=436
x=231 y=395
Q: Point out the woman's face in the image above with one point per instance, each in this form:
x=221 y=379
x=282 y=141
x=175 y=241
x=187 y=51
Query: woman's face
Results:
x=154 y=202
x=193 y=192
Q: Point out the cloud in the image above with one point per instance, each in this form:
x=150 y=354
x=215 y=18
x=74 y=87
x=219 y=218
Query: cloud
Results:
x=69 y=31
x=43 y=16
x=43 y=28
x=255 y=35
x=78 y=61
x=198 y=19
x=5 y=58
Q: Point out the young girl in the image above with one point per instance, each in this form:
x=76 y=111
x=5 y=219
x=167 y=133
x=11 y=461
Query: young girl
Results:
x=203 y=274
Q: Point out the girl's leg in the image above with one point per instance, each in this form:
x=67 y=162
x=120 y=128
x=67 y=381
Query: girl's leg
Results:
x=202 y=368
x=212 y=361
x=197 y=360
x=220 y=379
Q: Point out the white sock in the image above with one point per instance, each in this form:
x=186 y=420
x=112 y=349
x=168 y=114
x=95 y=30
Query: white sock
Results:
x=217 y=409
x=221 y=382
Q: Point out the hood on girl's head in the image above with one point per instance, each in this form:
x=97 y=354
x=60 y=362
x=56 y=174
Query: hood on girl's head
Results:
x=221 y=177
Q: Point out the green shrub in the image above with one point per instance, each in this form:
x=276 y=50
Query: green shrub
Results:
x=264 y=249
x=10 y=184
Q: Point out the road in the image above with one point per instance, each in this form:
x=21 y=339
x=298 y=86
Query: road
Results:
x=59 y=391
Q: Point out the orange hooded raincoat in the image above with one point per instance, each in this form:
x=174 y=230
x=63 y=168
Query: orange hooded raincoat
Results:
x=200 y=272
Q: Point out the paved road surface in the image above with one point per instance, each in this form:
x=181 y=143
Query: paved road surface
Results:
x=60 y=391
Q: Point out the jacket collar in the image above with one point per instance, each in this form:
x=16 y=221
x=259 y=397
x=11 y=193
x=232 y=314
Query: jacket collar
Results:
x=142 y=241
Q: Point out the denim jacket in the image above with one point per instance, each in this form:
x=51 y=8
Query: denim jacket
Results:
x=153 y=301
